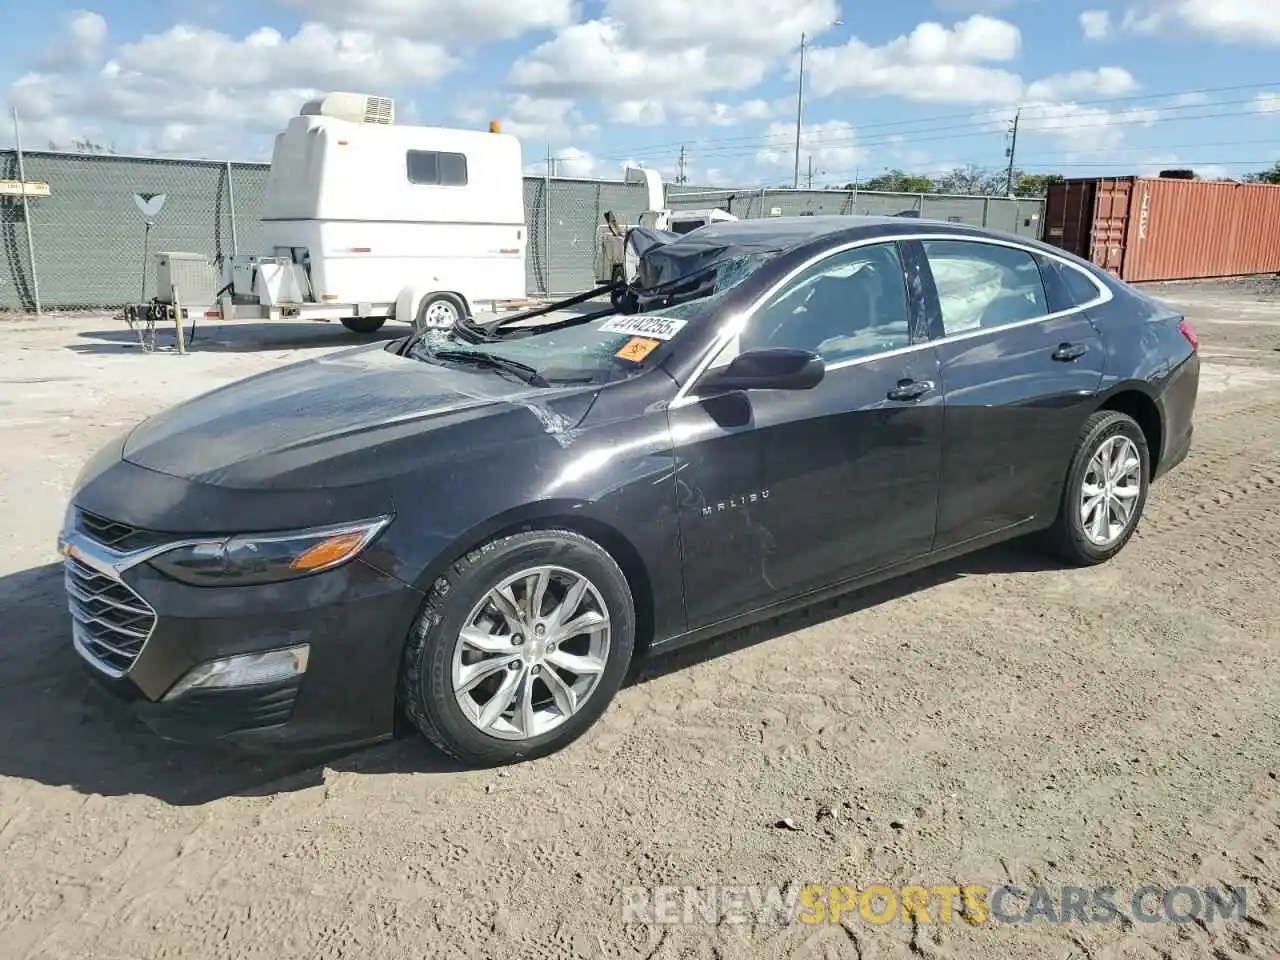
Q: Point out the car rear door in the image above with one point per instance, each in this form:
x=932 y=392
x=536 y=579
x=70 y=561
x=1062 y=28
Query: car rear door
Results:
x=1019 y=379
x=789 y=491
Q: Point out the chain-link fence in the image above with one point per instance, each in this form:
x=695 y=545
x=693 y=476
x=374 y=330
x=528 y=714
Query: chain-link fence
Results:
x=90 y=233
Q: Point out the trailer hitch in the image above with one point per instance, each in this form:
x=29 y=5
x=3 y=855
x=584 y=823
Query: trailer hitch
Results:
x=143 y=317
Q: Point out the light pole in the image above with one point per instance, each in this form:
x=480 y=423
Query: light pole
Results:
x=804 y=43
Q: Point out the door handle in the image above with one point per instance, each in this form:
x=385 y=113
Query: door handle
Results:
x=910 y=389
x=1067 y=352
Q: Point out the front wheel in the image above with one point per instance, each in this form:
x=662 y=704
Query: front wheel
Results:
x=519 y=648
x=1105 y=491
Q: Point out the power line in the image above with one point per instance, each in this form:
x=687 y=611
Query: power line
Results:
x=988 y=128
x=1029 y=110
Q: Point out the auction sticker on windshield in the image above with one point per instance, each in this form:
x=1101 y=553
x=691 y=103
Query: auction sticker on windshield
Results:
x=657 y=328
x=636 y=349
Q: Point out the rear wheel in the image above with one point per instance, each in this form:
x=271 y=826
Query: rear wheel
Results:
x=439 y=311
x=519 y=649
x=363 y=324
x=1105 y=491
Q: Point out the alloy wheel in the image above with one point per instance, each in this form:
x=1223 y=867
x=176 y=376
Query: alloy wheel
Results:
x=1110 y=490
x=531 y=652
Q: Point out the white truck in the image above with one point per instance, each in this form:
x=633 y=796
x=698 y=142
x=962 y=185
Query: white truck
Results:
x=367 y=221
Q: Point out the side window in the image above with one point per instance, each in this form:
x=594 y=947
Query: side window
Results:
x=1079 y=287
x=432 y=168
x=984 y=285
x=852 y=304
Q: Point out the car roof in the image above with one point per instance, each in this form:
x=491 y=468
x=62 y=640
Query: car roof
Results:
x=782 y=234
x=788 y=232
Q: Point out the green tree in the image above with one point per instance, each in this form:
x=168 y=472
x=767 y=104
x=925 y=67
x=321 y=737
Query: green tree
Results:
x=1265 y=176
x=897 y=181
x=1034 y=184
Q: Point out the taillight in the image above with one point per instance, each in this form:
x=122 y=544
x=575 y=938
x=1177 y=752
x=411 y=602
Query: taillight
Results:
x=1189 y=333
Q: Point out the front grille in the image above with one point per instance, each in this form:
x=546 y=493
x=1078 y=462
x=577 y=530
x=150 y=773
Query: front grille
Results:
x=116 y=535
x=110 y=621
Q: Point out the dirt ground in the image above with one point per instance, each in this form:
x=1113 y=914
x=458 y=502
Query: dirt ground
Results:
x=996 y=720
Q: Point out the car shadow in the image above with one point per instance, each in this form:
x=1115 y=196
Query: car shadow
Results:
x=1017 y=556
x=237 y=338
x=61 y=729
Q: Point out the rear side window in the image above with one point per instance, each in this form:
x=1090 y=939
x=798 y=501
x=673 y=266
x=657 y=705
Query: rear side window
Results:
x=1081 y=288
x=433 y=168
x=984 y=285
x=1068 y=288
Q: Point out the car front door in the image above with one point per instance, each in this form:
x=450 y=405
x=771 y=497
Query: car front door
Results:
x=1018 y=382
x=786 y=491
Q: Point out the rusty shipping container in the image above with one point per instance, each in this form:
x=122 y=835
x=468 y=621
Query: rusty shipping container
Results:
x=1141 y=228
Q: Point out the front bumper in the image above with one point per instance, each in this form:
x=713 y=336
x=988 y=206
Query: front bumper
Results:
x=140 y=633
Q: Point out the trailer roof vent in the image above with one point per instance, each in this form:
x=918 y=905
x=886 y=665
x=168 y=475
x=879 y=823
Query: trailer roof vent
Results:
x=354 y=107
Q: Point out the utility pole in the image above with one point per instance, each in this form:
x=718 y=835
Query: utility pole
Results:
x=1012 y=152
x=804 y=44
x=804 y=41
x=811 y=171
x=680 y=177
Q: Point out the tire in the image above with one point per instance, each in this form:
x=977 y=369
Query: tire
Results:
x=1068 y=537
x=439 y=311
x=363 y=324
x=435 y=656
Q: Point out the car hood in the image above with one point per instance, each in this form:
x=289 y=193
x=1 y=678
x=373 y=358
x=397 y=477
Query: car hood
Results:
x=347 y=418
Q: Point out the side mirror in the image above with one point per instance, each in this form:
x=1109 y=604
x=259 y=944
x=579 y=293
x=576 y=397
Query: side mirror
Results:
x=774 y=368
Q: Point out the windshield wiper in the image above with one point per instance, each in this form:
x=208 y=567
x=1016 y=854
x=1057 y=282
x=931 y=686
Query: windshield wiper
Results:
x=525 y=372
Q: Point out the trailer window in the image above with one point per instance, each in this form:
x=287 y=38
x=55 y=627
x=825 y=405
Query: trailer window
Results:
x=433 y=168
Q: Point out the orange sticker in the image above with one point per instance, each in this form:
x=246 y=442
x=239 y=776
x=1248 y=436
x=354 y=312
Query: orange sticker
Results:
x=637 y=348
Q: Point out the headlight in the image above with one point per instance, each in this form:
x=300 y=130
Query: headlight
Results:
x=267 y=558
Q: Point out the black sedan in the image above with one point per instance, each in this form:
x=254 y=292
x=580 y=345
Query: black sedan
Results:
x=480 y=528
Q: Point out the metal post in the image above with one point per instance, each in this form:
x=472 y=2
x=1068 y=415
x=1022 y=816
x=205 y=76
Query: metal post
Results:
x=26 y=213
x=231 y=205
x=146 y=255
x=795 y=183
x=986 y=211
x=546 y=225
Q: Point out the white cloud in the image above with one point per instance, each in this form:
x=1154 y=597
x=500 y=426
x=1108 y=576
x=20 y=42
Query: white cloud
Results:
x=974 y=6
x=79 y=44
x=574 y=162
x=1233 y=21
x=637 y=113
x=462 y=21
x=669 y=49
x=1267 y=102
x=833 y=146
x=544 y=119
x=1103 y=82
x=315 y=56
x=702 y=113
x=1083 y=129
x=932 y=63
x=192 y=90
x=1095 y=24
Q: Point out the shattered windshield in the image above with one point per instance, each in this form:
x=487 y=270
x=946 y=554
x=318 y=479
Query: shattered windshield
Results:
x=595 y=351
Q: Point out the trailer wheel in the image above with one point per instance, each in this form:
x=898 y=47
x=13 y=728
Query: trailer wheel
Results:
x=363 y=324
x=440 y=311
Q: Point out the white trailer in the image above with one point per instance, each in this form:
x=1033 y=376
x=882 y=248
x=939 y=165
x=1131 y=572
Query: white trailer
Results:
x=366 y=220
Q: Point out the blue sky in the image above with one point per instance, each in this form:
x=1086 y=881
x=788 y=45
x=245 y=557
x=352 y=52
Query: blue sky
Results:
x=1127 y=86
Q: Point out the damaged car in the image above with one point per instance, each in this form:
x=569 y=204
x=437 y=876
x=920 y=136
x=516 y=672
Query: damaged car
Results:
x=480 y=529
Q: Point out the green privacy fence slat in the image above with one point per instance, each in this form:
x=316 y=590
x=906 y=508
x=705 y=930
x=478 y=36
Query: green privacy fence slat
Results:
x=89 y=233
